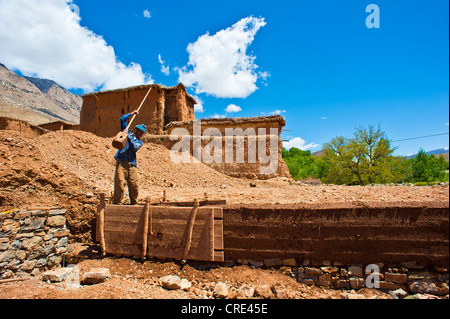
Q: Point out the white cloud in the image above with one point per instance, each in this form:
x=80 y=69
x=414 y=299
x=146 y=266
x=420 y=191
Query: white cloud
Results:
x=147 y=14
x=164 y=69
x=299 y=143
x=217 y=116
x=323 y=118
x=218 y=64
x=446 y=123
x=277 y=112
x=198 y=108
x=45 y=39
x=264 y=75
x=233 y=108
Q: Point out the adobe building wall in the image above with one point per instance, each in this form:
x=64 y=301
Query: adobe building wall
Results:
x=235 y=168
x=59 y=126
x=24 y=128
x=248 y=164
x=244 y=123
x=101 y=111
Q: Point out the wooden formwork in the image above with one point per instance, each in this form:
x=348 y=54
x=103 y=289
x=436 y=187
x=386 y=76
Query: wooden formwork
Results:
x=194 y=233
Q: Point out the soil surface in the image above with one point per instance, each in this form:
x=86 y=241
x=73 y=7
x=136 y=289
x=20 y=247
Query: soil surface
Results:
x=132 y=279
x=57 y=167
x=69 y=169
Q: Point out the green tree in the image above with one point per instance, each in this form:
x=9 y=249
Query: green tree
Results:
x=364 y=159
x=302 y=164
x=428 y=168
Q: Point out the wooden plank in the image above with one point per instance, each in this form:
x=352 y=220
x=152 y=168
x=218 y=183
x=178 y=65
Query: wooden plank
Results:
x=218 y=213
x=209 y=202
x=219 y=255
x=171 y=244
x=218 y=234
x=134 y=212
x=123 y=249
x=124 y=226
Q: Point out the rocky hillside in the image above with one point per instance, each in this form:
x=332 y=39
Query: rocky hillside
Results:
x=36 y=100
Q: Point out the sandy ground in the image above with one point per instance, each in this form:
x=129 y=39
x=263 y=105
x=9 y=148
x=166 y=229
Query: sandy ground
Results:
x=69 y=169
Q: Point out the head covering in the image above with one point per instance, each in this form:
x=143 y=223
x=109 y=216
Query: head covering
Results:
x=141 y=127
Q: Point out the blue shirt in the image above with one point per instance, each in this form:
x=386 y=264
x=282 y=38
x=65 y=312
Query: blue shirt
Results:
x=128 y=153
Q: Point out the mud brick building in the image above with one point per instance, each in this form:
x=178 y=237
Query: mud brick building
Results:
x=169 y=108
x=237 y=133
x=26 y=129
x=101 y=110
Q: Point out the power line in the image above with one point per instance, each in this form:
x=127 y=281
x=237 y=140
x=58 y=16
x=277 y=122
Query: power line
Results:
x=415 y=138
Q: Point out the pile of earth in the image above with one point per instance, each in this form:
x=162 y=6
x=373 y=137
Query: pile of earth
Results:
x=70 y=168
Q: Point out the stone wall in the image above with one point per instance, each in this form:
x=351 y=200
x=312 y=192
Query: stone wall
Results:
x=31 y=241
x=401 y=279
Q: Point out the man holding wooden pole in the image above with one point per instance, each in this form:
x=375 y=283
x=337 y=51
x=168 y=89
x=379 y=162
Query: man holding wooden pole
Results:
x=126 y=165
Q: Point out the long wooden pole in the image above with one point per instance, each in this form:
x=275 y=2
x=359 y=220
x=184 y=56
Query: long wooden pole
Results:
x=190 y=226
x=101 y=224
x=4 y=281
x=145 y=231
x=142 y=103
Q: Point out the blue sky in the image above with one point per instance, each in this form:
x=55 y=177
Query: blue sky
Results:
x=314 y=62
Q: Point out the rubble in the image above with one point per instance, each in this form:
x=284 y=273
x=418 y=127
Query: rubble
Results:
x=95 y=276
x=57 y=275
x=221 y=290
x=171 y=282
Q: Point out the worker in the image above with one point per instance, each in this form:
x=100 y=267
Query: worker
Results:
x=126 y=164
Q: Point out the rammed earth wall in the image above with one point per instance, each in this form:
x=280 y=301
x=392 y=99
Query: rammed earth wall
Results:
x=101 y=111
x=31 y=241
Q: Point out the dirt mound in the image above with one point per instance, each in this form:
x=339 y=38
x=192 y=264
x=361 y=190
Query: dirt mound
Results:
x=91 y=159
x=68 y=169
x=28 y=179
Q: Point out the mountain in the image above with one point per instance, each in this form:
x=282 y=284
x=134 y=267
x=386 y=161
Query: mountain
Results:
x=436 y=152
x=318 y=153
x=37 y=101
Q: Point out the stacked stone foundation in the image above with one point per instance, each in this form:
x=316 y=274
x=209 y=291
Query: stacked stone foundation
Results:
x=31 y=241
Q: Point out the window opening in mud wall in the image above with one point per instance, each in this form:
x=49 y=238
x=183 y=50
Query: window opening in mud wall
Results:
x=99 y=119
x=171 y=109
x=123 y=111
